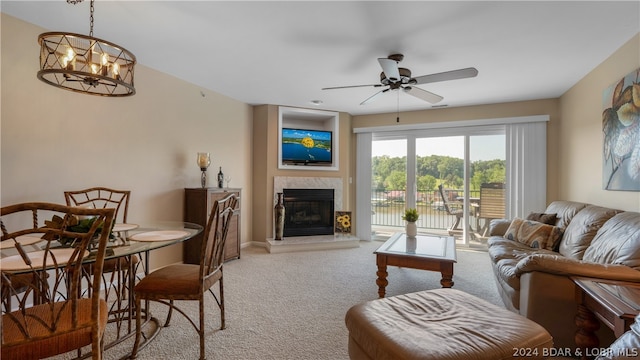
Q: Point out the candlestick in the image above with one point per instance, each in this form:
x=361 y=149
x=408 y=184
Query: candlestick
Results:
x=203 y=160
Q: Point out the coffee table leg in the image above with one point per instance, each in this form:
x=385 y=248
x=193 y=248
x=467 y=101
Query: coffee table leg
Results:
x=447 y=275
x=381 y=281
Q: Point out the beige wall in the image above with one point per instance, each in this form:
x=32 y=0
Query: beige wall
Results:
x=55 y=140
x=580 y=151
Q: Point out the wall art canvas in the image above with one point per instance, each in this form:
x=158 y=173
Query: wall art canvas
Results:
x=343 y=222
x=621 y=131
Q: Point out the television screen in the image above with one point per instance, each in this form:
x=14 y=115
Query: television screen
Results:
x=306 y=146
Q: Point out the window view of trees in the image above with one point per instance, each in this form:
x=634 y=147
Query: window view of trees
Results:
x=389 y=173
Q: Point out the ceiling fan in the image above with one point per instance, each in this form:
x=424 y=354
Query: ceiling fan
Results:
x=395 y=77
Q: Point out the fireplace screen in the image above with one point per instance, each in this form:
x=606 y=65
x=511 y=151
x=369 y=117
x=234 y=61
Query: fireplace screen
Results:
x=308 y=212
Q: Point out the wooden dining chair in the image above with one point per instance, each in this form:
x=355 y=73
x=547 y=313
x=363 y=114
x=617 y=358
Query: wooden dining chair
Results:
x=101 y=198
x=191 y=281
x=115 y=271
x=62 y=320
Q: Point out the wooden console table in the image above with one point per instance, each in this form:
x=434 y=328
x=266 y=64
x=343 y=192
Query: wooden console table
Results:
x=614 y=303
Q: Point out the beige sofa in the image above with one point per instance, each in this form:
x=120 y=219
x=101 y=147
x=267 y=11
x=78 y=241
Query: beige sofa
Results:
x=593 y=242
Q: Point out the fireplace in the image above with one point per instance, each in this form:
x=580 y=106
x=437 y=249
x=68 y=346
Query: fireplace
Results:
x=308 y=212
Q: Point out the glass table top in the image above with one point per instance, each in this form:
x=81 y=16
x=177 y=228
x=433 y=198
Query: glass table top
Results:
x=433 y=246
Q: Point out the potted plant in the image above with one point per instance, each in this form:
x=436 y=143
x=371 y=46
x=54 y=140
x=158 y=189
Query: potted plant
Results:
x=411 y=216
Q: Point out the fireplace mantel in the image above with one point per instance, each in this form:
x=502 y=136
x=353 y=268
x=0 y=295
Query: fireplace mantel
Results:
x=302 y=182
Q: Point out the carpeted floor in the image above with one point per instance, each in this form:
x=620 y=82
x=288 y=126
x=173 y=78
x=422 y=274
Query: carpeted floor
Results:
x=292 y=305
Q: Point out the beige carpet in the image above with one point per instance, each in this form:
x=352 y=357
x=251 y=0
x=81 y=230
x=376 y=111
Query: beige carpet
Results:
x=292 y=305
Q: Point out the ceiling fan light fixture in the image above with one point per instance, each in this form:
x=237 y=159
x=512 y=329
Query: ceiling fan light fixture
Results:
x=86 y=64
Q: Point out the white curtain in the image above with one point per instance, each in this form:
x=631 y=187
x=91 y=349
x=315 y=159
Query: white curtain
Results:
x=363 y=188
x=526 y=168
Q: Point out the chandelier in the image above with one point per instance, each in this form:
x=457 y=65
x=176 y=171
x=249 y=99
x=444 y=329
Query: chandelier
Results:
x=86 y=64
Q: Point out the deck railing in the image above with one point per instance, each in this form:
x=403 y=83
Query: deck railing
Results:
x=387 y=208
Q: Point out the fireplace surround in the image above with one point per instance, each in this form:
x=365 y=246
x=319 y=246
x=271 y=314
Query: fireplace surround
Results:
x=315 y=242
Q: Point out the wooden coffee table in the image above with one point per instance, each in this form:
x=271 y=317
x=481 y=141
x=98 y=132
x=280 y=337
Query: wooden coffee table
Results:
x=424 y=252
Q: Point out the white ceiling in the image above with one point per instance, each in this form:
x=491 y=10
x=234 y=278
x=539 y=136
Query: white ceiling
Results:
x=285 y=52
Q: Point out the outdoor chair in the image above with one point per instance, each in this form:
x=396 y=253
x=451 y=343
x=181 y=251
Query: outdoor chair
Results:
x=458 y=213
x=191 y=281
x=63 y=318
x=492 y=204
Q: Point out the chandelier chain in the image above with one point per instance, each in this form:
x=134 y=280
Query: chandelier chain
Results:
x=73 y=2
x=91 y=19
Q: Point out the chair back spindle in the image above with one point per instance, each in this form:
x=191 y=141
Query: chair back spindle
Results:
x=216 y=233
x=101 y=198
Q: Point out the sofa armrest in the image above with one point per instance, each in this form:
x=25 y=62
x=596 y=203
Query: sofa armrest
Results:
x=498 y=227
x=560 y=265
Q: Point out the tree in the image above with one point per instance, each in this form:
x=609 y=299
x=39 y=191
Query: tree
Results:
x=427 y=183
x=390 y=173
x=397 y=180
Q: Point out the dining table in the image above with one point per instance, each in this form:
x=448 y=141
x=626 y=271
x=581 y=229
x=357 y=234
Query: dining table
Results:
x=129 y=242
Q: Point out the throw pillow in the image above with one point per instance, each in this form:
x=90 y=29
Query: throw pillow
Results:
x=549 y=219
x=534 y=234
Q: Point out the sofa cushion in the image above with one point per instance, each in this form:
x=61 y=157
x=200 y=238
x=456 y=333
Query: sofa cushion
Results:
x=549 y=219
x=497 y=227
x=501 y=248
x=617 y=241
x=533 y=234
x=564 y=210
x=582 y=228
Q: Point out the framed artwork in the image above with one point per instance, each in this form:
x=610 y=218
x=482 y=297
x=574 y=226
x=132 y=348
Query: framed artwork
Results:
x=621 y=134
x=343 y=222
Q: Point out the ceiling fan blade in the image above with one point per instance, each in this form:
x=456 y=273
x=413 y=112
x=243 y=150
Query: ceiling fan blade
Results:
x=351 y=86
x=423 y=94
x=372 y=97
x=447 y=75
x=390 y=69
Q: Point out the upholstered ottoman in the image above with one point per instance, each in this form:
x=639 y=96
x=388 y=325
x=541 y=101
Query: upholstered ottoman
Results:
x=442 y=324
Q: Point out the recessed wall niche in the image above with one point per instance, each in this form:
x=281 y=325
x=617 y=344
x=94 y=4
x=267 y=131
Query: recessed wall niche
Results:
x=313 y=150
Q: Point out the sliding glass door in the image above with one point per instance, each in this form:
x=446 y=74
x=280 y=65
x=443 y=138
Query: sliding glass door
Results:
x=439 y=173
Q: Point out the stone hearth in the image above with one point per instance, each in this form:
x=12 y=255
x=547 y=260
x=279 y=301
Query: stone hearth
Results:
x=307 y=243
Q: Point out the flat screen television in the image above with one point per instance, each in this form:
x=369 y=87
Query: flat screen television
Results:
x=302 y=146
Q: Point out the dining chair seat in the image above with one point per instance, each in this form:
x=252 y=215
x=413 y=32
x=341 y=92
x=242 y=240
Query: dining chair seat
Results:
x=175 y=282
x=48 y=338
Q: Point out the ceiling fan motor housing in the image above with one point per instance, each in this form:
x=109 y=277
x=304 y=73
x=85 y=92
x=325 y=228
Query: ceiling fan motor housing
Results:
x=405 y=78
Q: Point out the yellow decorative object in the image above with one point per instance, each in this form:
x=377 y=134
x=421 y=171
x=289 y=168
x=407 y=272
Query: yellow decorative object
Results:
x=307 y=142
x=343 y=222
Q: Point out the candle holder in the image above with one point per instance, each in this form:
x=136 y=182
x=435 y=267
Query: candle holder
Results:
x=204 y=160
